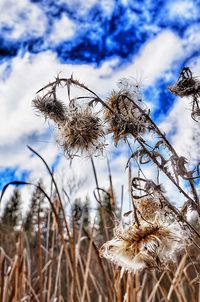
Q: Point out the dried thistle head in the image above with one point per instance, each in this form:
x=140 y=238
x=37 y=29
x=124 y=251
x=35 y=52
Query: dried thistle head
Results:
x=125 y=117
x=186 y=85
x=145 y=246
x=50 y=108
x=148 y=207
x=82 y=132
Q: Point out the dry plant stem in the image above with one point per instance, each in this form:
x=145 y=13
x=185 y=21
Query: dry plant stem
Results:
x=69 y=82
x=111 y=184
x=100 y=199
x=51 y=256
x=72 y=246
x=132 y=199
x=32 y=291
x=107 y=277
x=177 y=275
x=170 y=149
x=74 y=281
x=191 y=182
x=157 y=287
x=40 y=264
x=2 y=265
x=76 y=246
x=87 y=267
x=76 y=288
x=17 y=270
x=161 y=168
x=47 y=256
x=180 y=216
x=60 y=230
x=58 y=272
x=144 y=285
x=56 y=187
x=80 y=261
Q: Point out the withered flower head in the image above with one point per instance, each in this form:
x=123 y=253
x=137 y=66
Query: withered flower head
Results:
x=145 y=246
x=50 y=108
x=148 y=207
x=185 y=87
x=125 y=117
x=82 y=132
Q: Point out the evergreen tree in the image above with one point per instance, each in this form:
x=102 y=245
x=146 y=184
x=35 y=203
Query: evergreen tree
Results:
x=80 y=210
x=37 y=207
x=105 y=214
x=12 y=215
x=85 y=213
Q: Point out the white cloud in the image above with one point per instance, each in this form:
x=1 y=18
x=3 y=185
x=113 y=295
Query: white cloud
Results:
x=182 y=129
x=22 y=17
x=85 y=6
x=155 y=57
x=63 y=29
x=107 y=6
x=192 y=38
x=185 y=9
x=17 y=117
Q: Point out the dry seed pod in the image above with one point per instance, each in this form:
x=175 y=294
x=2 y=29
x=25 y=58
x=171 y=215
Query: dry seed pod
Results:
x=186 y=85
x=50 y=108
x=148 y=207
x=82 y=132
x=124 y=118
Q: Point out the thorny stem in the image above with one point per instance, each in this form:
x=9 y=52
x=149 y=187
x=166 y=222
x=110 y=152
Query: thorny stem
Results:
x=173 y=209
x=56 y=187
x=161 y=168
x=180 y=216
x=173 y=151
x=72 y=81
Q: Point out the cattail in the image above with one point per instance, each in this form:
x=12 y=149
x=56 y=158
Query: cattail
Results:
x=51 y=108
x=146 y=245
x=82 y=132
x=125 y=117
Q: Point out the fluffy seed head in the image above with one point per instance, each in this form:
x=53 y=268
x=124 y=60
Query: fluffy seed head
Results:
x=50 y=108
x=148 y=207
x=82 y=132
x=125 y=118
x=145 y=246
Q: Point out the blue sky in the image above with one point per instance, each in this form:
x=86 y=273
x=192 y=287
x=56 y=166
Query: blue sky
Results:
x=99 y=42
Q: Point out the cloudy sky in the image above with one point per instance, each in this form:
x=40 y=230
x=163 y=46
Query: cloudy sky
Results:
x=98 y=42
